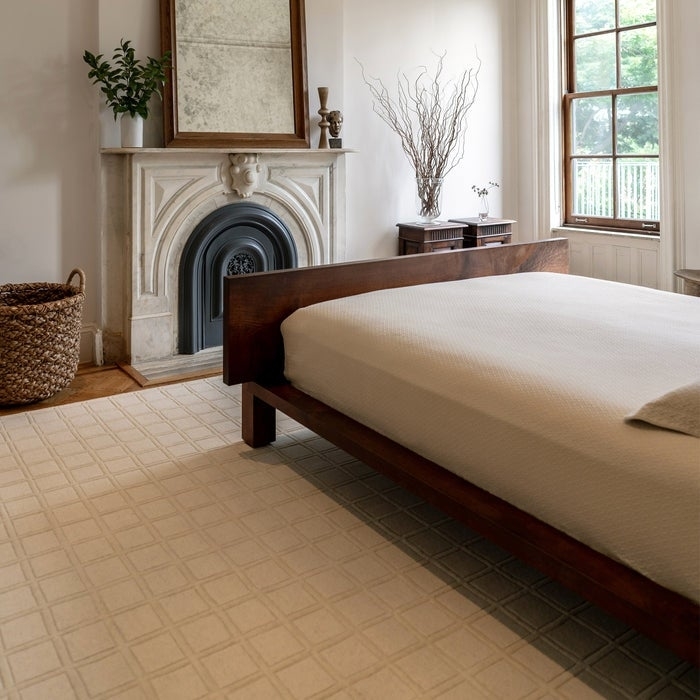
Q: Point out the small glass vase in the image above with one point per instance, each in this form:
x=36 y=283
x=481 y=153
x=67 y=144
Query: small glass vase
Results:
x=483 y=207
x=428 y=199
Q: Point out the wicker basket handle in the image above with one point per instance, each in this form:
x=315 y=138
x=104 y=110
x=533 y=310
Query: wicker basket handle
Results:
x=81 y=275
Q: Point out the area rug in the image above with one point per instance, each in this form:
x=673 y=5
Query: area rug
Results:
x=146 y=552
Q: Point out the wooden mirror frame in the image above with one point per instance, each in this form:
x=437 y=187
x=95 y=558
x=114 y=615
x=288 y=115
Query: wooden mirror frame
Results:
x=299 y=138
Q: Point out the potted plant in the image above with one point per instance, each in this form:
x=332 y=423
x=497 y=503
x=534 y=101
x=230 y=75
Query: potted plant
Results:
x=128 y=85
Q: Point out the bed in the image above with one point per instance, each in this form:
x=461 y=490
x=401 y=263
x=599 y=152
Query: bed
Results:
x=500 y=389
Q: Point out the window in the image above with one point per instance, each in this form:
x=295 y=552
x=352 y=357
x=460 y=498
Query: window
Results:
x=611 y=139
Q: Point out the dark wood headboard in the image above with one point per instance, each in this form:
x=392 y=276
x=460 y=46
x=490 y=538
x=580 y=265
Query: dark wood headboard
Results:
x=255 y=305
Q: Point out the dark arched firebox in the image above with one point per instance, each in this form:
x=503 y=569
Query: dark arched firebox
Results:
x=235 y=239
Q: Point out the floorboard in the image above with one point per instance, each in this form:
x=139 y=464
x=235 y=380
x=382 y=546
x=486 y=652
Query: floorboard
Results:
x=92 y=382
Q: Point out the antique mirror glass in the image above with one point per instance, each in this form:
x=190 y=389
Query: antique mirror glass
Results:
x=239 y=73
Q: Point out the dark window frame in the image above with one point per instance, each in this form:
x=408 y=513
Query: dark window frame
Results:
x=614 y=223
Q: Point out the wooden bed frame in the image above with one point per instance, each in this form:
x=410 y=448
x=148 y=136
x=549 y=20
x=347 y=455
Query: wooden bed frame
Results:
x=254 y=307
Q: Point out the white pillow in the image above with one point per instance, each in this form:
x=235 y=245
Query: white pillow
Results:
x=677 y=410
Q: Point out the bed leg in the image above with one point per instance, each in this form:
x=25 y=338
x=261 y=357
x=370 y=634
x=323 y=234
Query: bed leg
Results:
x=259 y=418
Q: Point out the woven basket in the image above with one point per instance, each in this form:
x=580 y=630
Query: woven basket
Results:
x=39 y=338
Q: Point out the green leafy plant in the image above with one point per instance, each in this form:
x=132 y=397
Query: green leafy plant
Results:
x=127 y=83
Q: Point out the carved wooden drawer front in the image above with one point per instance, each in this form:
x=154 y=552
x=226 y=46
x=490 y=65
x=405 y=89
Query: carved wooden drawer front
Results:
x=427 y=238
x=490 y=231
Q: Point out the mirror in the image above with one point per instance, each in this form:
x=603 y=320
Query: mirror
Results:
x=239 y=74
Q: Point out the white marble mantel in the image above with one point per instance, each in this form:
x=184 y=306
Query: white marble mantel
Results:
x=153 y=198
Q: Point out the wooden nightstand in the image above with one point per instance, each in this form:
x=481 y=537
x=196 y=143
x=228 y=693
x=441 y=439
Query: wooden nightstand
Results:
x=691 y=281
x=479 y=233
x=427 y=238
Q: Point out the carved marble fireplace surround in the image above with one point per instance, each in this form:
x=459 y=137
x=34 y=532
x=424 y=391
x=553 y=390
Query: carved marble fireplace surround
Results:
x=154 y=198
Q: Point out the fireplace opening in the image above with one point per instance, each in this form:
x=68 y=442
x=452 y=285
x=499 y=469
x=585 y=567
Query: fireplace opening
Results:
x=236 y=239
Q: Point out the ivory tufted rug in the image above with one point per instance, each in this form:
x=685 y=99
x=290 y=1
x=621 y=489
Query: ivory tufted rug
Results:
x=146 y=552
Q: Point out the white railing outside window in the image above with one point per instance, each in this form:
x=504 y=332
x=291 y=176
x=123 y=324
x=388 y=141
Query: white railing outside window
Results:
x=638 y=185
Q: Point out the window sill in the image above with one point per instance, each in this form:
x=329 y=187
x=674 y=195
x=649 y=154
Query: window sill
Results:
x=564 y=230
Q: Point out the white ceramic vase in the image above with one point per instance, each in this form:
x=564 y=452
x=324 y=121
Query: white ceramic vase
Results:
x=131 y=130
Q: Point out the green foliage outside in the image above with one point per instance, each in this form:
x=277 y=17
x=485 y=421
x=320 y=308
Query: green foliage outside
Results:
x=596 y=69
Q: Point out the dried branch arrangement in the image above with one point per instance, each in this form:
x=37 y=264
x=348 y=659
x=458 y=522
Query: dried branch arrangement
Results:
x=430 y=118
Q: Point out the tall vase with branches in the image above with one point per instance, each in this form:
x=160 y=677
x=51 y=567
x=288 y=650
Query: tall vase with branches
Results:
x=429 y=115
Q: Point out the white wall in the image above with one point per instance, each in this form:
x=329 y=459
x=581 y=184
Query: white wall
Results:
x=139 y=22
x=51 y=125
x=687 y=63
x=48 y=144
x=396 y=35
x=324 y=41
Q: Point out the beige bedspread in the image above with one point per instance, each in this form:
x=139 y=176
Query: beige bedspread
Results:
x=521 y=383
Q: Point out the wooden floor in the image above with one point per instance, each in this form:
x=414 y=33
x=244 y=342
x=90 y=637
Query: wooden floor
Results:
x=90 y=382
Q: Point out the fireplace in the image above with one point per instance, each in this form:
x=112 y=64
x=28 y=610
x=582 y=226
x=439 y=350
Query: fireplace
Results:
x=164 y=215
x=236 y=239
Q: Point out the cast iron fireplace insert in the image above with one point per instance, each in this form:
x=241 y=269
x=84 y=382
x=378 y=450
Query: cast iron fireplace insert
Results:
x=235 y=239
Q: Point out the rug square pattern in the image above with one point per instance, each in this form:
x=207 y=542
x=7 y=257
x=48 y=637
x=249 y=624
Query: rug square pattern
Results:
x=147 y=552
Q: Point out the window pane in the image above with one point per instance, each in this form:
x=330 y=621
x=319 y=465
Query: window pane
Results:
x=593 y=15
x=637 y=12
x=638 y=57
x=638 y=123
x=638 y=185
x=596 y=67
x=593 y=187
x=592 y=126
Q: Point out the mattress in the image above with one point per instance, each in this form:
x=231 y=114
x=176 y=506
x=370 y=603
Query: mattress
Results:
x=521 y=384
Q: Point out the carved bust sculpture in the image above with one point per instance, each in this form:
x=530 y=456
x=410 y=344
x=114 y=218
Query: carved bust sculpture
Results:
x=335 y=121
